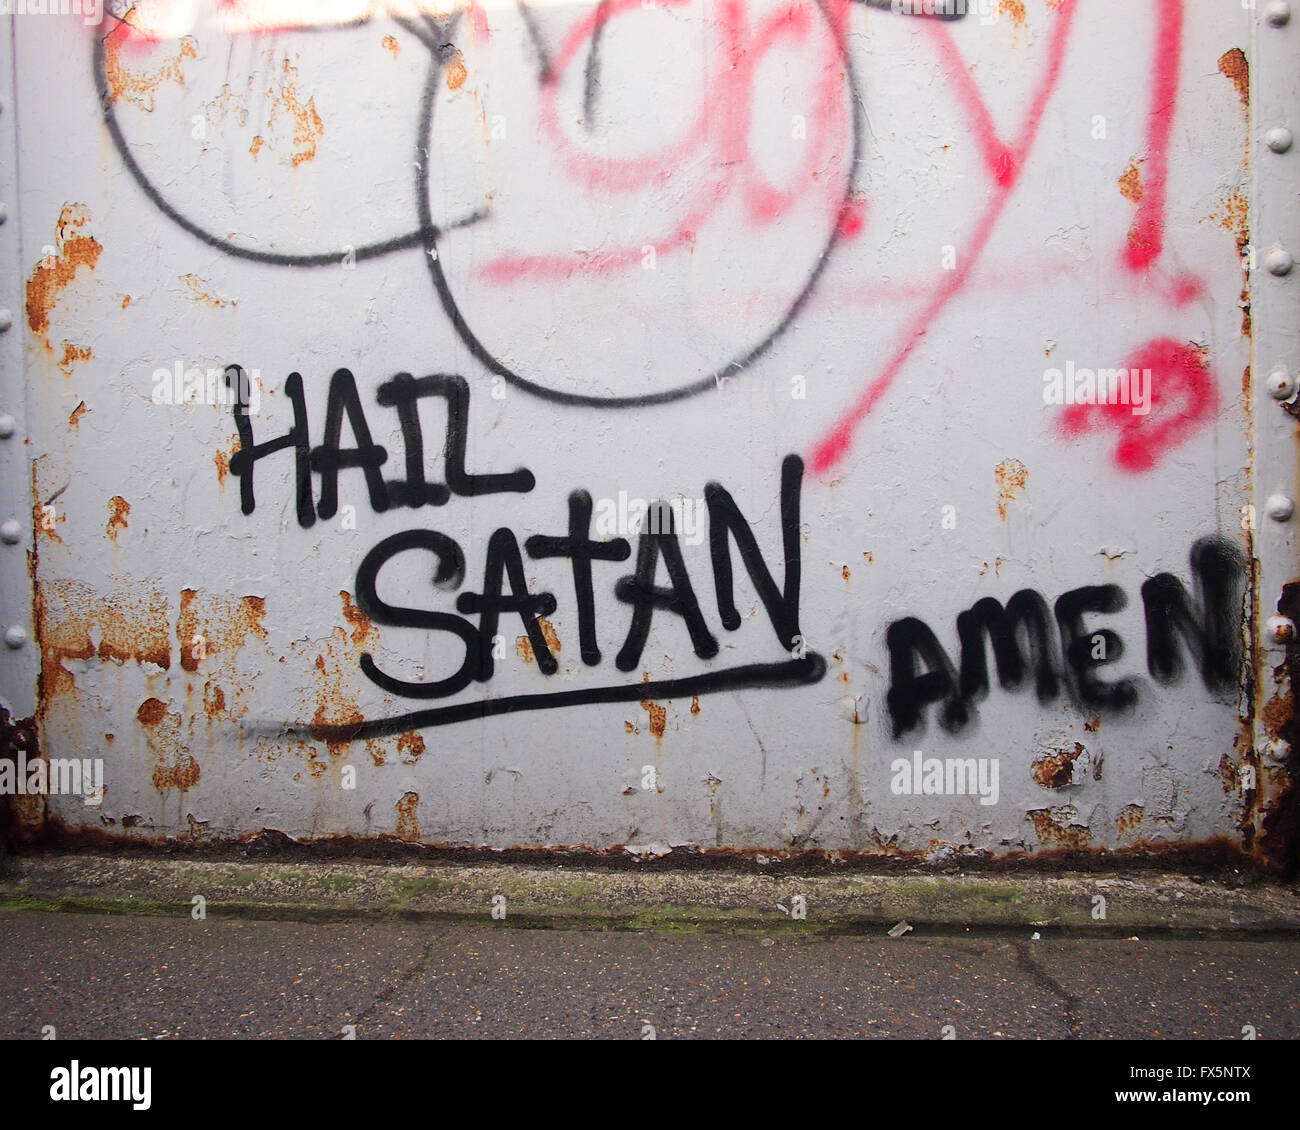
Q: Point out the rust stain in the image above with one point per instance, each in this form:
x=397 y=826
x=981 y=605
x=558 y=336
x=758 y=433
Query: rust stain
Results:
x=20 y=816
x=210 y=623
x=118 y=509
x=137 y=86
x=524 y=646
x=1012 y=476
x=1232 y=213
x=1129 y=819
x=222 y=460
x=1229 y=774
x=175 y=768
x=43 y=521
x=126 y=301
x=845 y=573
x=1236 y=69
x=868 y=557
x=271 y=751
x=130 y=625
x=255 y=147
x=53 y=274
x=1130 y=183
x=391 y=45
x=151 y=712
x=548 y=633
x=1093 y=724
x=410 y=746
x=306 y=122
x=1015 y=9
x=1052 y=827
x=1277 y=714
x=182 y=774
x=695 y=704
x=408 y=824
x=199 y=293
x=71 y=355
x=361 y=625
x=630 y=728
x=74 y=421
x=227 y=103
x=337 y=717
x=456 y=73
x=329 y=716
x=214 y=700
x=1056 y=770
x=1279 y=814
x=658 y=717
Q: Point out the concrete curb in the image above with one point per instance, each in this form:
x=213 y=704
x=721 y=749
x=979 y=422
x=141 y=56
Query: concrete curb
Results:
x=651 y=900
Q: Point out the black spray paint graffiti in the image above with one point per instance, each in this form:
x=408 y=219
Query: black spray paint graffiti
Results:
x=436 y=34
x=1061 y=651
x=505 y=589
x=1051 y=646
x=403 y=393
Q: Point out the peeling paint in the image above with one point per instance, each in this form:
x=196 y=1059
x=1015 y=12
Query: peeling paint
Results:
x=564 y=236
x=1236 y=70
x=1130 y=183
x=1012 y=476
x=408 y=823
x=199 y=292
x=305 y=123
x=118 y=509
x=74 y=250
x=131 y=626
x=136 y=86
x=456 y=73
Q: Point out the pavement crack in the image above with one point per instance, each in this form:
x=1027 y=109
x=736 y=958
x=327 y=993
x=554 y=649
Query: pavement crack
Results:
x=386 y=993
x=1047 y=983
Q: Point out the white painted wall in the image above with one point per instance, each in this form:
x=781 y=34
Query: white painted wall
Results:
x=730 y=234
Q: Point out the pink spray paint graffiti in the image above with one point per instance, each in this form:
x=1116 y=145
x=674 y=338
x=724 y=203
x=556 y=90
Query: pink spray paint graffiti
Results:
x=558 y=219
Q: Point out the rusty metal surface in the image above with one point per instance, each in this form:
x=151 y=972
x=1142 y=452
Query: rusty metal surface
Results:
x=333 y=334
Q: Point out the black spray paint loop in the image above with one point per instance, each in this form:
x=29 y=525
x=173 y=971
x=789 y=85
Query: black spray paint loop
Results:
x=436 y=35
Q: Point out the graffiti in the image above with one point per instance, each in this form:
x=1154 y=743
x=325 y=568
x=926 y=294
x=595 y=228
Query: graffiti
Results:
x=506 y=592
x=1062 y=651
x=505 y=589
x=546 y=161
x=1184 y=395
x=403 y=393
x=756 y=392
x=568 y=60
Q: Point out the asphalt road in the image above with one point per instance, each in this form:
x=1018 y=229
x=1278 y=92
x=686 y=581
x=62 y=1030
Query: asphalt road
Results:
x=96 y=976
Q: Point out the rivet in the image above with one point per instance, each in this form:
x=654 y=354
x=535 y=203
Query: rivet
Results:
x=1279 y=507
x=1279 y=261
x=15 y=637
x=6 y=320
x=1281 y=629
x=1279 y=139
x=11 y=532
x=1278 y=13
x=1281 y=384
x=8 y=425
